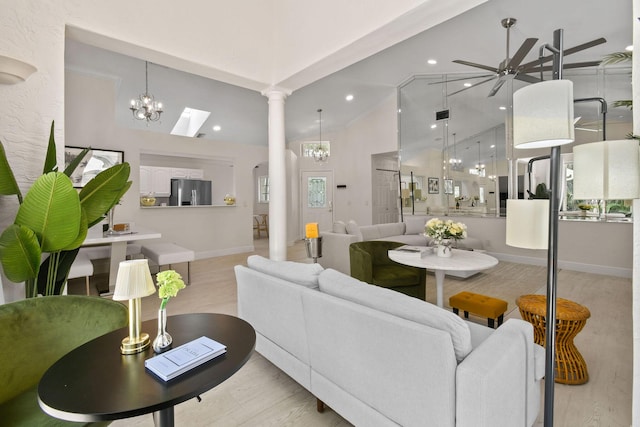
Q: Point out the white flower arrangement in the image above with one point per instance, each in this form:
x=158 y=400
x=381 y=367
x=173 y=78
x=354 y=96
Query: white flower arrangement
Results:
x=441 y=230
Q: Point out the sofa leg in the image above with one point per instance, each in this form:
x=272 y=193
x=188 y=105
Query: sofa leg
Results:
x=455 y=310
x=466 y=314
x=319 y=405
x=490 y=323
x=500 y=319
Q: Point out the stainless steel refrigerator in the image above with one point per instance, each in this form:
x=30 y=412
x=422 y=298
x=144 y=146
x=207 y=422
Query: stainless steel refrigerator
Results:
x=190 y=192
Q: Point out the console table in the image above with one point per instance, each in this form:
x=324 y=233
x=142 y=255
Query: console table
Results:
x=95 y=382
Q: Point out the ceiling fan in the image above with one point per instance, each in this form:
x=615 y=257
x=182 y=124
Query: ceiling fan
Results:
x=511 y=68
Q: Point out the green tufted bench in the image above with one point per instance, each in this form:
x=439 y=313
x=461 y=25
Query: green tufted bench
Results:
x=34 y=334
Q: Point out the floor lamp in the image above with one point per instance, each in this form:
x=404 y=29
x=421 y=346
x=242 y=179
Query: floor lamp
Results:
x=543 y=117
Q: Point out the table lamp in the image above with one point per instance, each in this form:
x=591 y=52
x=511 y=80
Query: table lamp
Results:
x=134 y=282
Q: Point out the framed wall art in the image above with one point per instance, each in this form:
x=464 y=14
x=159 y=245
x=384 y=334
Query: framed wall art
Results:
x=434 y=185
x=94 y=162
x=448 y=186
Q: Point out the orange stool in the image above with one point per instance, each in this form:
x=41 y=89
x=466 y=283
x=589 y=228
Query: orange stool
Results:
x=481 y=305
x=570 y=367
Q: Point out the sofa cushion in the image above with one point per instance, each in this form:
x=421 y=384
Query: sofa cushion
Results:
x=296 y=272
x=352 y=228
x=339 y=227
x=342 y=286
x=414 y=224
x=370 y=232
x=390 y=229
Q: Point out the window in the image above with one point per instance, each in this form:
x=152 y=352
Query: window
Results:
x=317 y=192
x=263 y=189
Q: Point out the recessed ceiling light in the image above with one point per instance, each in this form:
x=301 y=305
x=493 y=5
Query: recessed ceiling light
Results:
x=349 y=97
x=434 y=126
x=468 y=84
x=502 y=107
x=217 y=128
x=493 y=146
x=629 y=48
x=432 y=62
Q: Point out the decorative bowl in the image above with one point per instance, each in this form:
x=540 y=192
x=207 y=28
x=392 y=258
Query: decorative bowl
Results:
x=147 y=201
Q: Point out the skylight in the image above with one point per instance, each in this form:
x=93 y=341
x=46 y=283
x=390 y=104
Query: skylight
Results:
x=190 y=122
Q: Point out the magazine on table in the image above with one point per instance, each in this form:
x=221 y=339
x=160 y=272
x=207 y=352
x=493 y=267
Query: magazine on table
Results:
x=181 y=359
x=411 y=251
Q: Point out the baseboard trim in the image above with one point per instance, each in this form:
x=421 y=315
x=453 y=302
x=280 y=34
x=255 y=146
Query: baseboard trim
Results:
x=568 y=265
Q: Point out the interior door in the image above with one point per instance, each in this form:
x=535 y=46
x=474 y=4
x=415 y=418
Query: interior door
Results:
x=317 y=199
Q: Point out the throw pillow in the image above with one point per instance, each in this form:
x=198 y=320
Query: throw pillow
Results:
x=296 y=272
x=342 y=286
x=339 y=227
x=353 y=228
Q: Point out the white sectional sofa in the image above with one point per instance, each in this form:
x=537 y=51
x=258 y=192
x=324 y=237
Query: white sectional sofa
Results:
x=335 y=243
x=380 y=358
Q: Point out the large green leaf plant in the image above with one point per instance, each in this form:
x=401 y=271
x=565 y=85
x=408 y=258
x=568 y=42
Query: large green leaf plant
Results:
x=53 y=218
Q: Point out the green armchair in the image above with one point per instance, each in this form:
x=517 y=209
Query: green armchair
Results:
x=370 y=263
x=34 y=334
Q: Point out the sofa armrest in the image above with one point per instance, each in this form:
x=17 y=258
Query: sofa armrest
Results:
x=335 y=251
x=494 y=381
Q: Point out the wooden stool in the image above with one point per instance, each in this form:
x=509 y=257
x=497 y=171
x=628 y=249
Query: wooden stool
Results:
x=481 y=305
x=570 y=367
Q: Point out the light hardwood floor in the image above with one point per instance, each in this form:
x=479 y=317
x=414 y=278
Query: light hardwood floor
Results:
x=262 y=395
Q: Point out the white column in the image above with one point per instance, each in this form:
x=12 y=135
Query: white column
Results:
x=277 y=175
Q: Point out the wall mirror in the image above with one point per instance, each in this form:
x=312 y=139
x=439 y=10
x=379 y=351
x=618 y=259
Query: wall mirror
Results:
x=451 y=129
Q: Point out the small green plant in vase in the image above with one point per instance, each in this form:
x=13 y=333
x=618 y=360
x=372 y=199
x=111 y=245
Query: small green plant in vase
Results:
x=169 y=283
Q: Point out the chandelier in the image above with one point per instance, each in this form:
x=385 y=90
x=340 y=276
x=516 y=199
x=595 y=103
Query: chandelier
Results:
x=455 y=162
x=146 y=107
x=320 y=152
x=480 y=167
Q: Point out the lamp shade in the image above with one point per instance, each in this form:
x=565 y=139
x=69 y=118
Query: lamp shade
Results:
x=134 y=280
x=528 y=223
x=543 y=115
x=607 y=170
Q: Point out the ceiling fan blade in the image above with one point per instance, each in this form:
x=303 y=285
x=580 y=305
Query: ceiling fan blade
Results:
x=462 y=78
x=466 y=88
x=569 y=51
x=473 y=64
x=565 y=66
x=521 y=53
x=496 y=87
x=528 y=79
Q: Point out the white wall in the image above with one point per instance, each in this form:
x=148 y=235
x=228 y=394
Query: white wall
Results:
x=595 y=247
x=210 y=231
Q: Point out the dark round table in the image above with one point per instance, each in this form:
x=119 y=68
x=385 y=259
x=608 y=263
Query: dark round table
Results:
x=95 y=382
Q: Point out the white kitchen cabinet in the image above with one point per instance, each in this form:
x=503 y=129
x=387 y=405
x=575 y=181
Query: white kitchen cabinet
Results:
x=157 y=180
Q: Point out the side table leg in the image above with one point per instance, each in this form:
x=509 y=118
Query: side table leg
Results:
x=163 y=417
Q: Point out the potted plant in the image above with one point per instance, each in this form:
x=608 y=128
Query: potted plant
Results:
x=53 y=218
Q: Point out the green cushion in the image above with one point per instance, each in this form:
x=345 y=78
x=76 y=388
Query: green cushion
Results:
x=370 y=263
x=36 y=332
x=20 y=411
x=393 y=276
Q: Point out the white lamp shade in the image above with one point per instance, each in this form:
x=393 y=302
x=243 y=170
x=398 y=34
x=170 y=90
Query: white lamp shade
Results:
x=607 y=170
x=528 y=223
x=543 y=114
x=133 y=281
